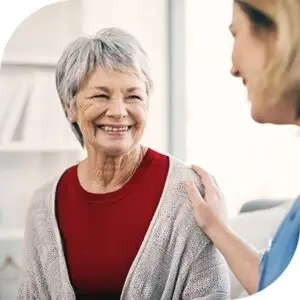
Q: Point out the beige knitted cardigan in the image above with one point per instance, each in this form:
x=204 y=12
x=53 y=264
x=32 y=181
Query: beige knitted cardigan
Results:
x=175 y=261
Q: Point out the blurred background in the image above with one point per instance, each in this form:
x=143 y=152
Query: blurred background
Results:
x=198 y=112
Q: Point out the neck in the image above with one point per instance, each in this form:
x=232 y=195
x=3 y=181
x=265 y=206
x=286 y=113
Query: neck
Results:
x=102 y=173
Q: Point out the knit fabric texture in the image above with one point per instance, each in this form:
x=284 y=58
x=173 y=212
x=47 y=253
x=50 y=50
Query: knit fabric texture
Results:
x=175 y=261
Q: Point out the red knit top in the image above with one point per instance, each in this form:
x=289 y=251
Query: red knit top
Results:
x=102 y=233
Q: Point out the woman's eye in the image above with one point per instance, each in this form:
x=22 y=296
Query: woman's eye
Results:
x=100 y=96
x=135 y=97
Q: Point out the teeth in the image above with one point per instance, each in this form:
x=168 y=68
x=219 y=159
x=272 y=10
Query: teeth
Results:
x=114 y=129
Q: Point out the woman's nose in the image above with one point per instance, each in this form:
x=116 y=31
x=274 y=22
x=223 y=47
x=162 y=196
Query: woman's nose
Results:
x=117 y=108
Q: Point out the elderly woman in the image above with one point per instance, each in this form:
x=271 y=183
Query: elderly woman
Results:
x=266 y=55
x=118 y=224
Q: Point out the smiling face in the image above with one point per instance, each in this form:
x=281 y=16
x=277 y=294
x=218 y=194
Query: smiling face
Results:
x=250 y=54
x=111 y=111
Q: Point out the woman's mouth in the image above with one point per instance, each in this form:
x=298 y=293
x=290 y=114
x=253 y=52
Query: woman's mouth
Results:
x=115 y=129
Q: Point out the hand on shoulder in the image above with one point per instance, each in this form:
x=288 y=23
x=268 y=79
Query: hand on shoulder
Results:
x=210 y=209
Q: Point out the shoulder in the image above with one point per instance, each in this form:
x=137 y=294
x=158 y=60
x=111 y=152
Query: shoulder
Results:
x=179 y=204
x=289 y=227
x=179 y=172
x=294 y=212
x=42 y=198
x=44 y=192
x=42 y=202
x=282 y=248
x=291 y=222
x=39 y=215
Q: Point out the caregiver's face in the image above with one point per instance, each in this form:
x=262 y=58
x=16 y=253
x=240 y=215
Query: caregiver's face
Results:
x=251 y=51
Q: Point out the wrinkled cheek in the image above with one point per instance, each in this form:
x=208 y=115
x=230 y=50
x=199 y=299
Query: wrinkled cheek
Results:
x=139 y=130
x=88 y=131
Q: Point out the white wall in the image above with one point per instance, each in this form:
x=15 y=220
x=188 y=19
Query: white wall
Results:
x=43 y=35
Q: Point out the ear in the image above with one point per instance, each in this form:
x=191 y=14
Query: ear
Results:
x=70 y=111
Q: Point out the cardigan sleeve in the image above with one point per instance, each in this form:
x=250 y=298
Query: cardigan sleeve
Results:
x=32 y=282
x=208 y=274
x=208 y=277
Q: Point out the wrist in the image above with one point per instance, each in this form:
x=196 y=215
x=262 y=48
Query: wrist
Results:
x=215 y=228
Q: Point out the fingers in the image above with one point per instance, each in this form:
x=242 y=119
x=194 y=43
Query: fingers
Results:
x=206 y=178
x=193 y=193
x=198 y=170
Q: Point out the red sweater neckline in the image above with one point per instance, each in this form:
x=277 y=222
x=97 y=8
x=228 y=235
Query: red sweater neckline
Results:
x=118 y=194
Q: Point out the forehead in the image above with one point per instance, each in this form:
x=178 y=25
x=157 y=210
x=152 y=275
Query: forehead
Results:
x=114 y=79
x=238 y=16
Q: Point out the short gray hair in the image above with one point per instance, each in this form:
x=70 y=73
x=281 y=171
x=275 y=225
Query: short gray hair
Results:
x=110 y=48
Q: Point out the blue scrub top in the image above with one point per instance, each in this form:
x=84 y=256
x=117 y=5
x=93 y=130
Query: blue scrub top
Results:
x=276 y=259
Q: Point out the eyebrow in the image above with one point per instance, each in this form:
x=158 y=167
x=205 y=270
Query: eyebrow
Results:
x=101 y=88
x=107 y=90
x=133 y=89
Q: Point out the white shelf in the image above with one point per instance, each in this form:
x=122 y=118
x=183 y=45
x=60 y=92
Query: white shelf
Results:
x=11 y=235
x=23 y=147
x=41 y=61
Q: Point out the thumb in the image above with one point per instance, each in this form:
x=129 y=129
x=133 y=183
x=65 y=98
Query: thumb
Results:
x=193 y=193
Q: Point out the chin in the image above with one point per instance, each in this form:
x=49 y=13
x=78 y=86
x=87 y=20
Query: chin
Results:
x=267 y=117
x=258 y=118
x=114 y=150
x=264 y=111
x=256 y=112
